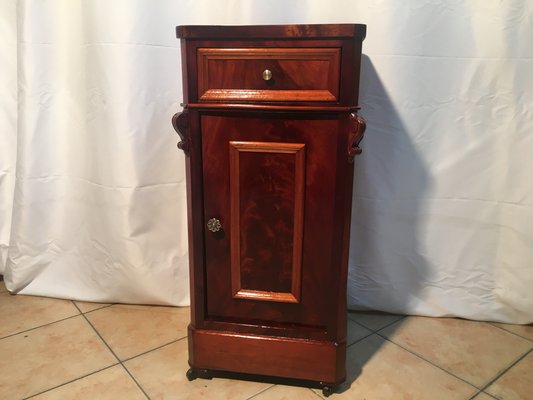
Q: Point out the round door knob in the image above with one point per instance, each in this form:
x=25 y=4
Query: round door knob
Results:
x=267 y=74
x=214 y=225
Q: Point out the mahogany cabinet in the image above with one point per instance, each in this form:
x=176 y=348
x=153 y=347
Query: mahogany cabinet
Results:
x=269 y=129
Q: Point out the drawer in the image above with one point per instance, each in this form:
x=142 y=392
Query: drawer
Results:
x=268 y=74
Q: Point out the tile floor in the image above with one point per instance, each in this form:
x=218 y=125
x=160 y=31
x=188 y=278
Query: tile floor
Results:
x=60 y=349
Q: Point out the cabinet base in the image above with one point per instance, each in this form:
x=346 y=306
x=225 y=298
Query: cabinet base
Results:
x=192 y=374
x=318 y=362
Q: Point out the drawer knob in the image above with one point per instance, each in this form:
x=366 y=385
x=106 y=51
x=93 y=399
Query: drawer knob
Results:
x=267 y=74
x=214 y=225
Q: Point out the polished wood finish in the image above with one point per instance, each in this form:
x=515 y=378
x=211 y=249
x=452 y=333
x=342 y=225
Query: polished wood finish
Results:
x=296 y=74
x=271 y=159
x=321 y=140
x=266 y=208
x=357 y=131
x=255 y=32
x=350 y=50
x=267 y=355
x=269 y=107
x=180 y=122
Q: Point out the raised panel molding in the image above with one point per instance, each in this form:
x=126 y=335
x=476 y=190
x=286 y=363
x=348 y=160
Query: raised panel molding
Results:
x=293 y=153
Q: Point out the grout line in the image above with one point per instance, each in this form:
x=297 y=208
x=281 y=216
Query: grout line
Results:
x=154 y=349
x=428 y=361
x=118 y=359
x=40 y=326
x=482 y=392
x=96 y=309
x=475 y=394
x=318 y=395
x=513 y=333
x=121 y=362
x=480 y=388
x=262 y=391
x=402 y=317
x=358 y=323
x=71 y=381
x=135 y=380
x=101 y=338
x=392 y=323
x=371 y=330
x=498 y=376
x=358 y=340
x=100 y=308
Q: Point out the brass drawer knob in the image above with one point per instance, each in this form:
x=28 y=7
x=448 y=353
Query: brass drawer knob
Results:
x=214 y=225
x=267 y=74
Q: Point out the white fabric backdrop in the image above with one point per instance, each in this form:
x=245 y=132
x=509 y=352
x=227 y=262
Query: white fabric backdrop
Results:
x=92 y=187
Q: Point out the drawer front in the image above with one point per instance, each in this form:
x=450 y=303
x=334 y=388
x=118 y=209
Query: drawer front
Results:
x=268 y=74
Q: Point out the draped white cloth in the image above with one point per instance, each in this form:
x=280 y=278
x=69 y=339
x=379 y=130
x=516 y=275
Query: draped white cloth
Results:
x=92 y=191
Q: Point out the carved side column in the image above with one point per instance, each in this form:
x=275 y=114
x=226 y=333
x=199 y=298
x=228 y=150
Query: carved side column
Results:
x=180 y=122
x=357 y=131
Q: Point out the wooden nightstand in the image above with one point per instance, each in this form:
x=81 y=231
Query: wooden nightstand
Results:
x=270 y=130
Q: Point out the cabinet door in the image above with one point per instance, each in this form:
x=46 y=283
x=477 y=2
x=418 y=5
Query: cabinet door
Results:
x=271 y=183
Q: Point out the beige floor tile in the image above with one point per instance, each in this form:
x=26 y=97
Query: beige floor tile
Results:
x=19 y=313
x=517 y=383
x=526 y=331
x=373 y=320
x=378 y=369
x=473 y=351
x=2 y=286
x=86 y=306
x=110 y=384
x=46 y=357
x=483 y=396
x=355 y=332
x=280 y=392
x=132 y=330
x=161 y=373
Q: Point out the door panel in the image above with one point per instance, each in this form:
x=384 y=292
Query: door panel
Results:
x=267 y=205
x=271 y=183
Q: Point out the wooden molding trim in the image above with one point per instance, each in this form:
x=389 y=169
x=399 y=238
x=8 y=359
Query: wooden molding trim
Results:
x=298 y=150
x=269 y=107
x=180 y=122
x=321 y=361
x=266 y=95
x=357 y=131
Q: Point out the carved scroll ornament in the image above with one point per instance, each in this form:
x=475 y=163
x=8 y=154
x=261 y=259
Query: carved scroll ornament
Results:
x=180 y=122
x=357 y=131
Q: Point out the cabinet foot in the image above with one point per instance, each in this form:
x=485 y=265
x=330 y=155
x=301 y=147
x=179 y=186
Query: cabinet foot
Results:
x=327 y=391
x=191 y=374
x=194 y=373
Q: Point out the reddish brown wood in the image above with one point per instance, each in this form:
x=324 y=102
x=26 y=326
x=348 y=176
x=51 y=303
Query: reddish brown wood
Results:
x=272 y=164
x=266 y=355
x=272 y=31
x=267 y=95
x=357 y=132
x=269 y=107
x=350 y=58
x=180 y=122
x=320 y=137
x=297 y=74
x=267 y=208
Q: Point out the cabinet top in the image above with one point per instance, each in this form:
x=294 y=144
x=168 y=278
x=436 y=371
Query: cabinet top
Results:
x=214 y=32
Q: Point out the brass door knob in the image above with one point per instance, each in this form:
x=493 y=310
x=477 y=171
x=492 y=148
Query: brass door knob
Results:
x=267 y=74
x=214 y=225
